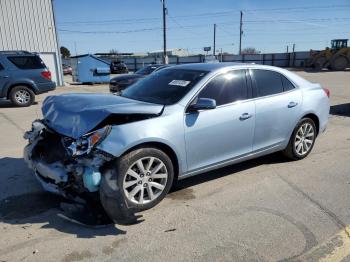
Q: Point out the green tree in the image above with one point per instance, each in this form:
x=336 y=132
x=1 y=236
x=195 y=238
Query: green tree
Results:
x=65 y=52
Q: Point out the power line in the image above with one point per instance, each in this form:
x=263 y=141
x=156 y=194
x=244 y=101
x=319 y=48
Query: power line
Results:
x=296 y=8
x=206 y=14
x=137 y=20
x=330 y=19
x=110 y=32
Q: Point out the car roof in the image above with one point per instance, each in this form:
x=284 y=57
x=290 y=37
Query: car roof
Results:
x=211 y=67
x=214 y=67
x=208 y=66
x=154 y=65
x=17 y=53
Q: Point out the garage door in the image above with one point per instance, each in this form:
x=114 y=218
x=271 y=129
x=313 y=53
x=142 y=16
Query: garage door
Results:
x=50 y=61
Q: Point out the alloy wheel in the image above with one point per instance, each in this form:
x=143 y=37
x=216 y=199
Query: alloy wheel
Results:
x=145 y=180
x=304 y=139
x=22 y=96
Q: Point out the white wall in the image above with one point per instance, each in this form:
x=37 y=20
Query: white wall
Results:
x=29 y=25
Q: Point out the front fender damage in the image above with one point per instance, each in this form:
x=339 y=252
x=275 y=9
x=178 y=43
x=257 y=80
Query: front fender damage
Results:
x=76 y=177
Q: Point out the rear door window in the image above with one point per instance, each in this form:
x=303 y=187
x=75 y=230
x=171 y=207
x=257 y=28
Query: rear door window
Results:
x=267 y=82
x=226 y=88
x=27 y=62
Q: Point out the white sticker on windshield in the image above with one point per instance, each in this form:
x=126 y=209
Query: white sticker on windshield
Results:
x=179 y=83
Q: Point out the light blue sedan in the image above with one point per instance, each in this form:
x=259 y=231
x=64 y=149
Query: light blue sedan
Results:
x=179 y=122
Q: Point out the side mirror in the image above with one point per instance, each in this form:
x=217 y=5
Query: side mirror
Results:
x=203 y=104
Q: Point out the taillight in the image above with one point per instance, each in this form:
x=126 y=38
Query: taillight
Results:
x=46 y=74
x=326 y=90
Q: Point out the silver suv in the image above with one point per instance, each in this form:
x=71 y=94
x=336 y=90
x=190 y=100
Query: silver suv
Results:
x=22 y=76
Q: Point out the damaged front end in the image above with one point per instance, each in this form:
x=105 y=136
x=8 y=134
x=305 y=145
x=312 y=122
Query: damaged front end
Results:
x=64 y=165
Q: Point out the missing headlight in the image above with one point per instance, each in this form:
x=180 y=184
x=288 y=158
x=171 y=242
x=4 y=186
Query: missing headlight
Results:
x=85 y=144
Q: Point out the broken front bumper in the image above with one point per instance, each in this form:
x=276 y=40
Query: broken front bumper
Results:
x=56 y=168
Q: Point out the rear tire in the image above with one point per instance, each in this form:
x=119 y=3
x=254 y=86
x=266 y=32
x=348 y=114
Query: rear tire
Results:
x=133 y=183
x=22 y=96
x=302 y=140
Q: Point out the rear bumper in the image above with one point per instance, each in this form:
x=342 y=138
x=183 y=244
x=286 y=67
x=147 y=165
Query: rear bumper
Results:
x=45 y=87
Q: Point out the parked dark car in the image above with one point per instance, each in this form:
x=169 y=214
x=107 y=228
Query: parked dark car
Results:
x=121 y=82
x=67 y=70
x=118 y=67
x=22 y=76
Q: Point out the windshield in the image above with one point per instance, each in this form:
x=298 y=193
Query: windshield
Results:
x=164 y=87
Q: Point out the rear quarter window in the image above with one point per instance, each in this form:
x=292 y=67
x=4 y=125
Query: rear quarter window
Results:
x=27 y=62
x=287 y=85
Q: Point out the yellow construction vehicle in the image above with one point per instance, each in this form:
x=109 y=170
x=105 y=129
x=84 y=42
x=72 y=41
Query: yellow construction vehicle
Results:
x=335 y=58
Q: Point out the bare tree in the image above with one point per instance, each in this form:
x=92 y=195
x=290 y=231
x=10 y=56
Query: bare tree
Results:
x=250 y=51
x=113 y=51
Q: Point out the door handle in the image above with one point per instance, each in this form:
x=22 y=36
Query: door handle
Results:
x=245 y=116
x=292 y=104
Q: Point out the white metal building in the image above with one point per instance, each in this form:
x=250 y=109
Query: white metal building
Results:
x=30 y=25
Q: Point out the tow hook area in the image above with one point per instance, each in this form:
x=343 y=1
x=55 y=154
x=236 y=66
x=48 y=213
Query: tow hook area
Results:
x=91 y=179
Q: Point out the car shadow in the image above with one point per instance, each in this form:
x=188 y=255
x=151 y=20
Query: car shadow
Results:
x=275 y=158
x=340 y=110
x=8 y=104
x=20 y=207
x=5 y=103
x=24 y=203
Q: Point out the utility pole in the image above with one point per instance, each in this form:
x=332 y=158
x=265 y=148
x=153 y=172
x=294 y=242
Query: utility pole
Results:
x=287 y=49
x=75 y=48
x=214 y=39
x=165 y=57
x=240 y=33
x=293 y=55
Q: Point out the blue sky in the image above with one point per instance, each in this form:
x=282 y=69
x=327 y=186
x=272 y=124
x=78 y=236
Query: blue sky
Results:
x=136 y=25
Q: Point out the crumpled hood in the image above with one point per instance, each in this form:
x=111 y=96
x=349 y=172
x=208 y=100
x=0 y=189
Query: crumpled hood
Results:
x=74 y=115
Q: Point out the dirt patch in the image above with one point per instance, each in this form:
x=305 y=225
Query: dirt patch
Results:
x=108 y=250
x=27 y=205
x=77 y=256
x=182 y=194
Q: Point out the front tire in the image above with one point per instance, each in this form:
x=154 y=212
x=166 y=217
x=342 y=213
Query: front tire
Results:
x=137 y=181
x=302 y=140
